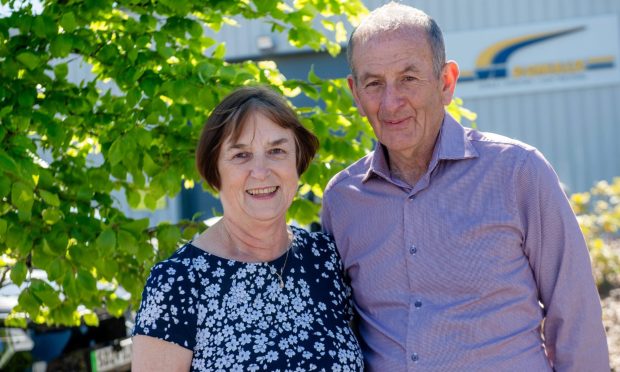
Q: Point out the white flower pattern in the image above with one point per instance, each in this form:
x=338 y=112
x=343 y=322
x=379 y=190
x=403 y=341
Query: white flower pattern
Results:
x=234 y=315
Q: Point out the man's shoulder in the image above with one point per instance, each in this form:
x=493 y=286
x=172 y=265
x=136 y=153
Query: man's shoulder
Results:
x=491 y=143
x=354 y=173
x=507 y=152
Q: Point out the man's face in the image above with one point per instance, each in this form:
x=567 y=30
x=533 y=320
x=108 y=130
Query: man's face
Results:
x=397 y=89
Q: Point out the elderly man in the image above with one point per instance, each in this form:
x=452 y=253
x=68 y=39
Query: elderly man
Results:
x=461 y=247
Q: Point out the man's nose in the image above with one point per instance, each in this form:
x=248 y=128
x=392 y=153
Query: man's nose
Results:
x=392 y=97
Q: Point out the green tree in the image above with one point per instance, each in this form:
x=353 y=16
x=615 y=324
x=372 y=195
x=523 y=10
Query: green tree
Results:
x=66 y=146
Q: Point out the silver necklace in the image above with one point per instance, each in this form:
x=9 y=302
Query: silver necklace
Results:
x=279 y=275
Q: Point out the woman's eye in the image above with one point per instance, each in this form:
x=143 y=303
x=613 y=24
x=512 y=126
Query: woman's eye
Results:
x=277 y=151
x=242 y=155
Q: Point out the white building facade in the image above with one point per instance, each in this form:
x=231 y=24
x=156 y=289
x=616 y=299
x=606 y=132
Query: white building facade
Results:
x=546 y=72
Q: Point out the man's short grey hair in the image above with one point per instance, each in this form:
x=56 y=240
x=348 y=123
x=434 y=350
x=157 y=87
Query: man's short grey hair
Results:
x=399 y=17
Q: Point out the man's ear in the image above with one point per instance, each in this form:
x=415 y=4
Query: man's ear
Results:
x=449 y=76
x=353 y=87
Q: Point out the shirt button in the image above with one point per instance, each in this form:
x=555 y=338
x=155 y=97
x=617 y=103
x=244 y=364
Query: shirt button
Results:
x=415 y=357
x=418 y=304
x=411 y=197
x=413 y=249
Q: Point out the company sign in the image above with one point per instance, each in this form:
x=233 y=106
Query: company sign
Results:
x=558 y=55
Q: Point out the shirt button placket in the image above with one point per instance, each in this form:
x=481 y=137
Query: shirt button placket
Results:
x=413 y=250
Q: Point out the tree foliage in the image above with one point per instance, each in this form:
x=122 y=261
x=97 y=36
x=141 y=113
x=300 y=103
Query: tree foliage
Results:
x=598 y=213
x=66 y=146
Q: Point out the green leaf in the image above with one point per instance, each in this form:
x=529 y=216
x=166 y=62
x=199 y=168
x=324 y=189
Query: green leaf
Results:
x=17 y=239
x=145 y=252
x=108 y=54
x=51 y=215
x=22 y=197
x=3 y=230
x=29 y=303
x=18 y=273
x=28 y=59
x=142 y=137
x=108 y=268
x=61 y=46
x=7 y=163
x=116 y=152
x=168 y=236
x=60 y=71
x=45 y=255
x=116 y=306
x=68 y=22
x=56 y=270
x=49 y=198
x=5 y=186
x=265 y=6
x=220 y=51
x=312 y=77
x=106 y=241
x=3 y=112
x=44 y=26
x=150 y=85
x=127 y=242
x=303 y=211
x=91 y=319
x=47 y=294
x=58 y=239
x=134 y=198
x=21 y=193
x=137 y=227
x=69 y=285
x=84 y=255
x=189 y=232
x=86 y=281
x=196 y=30
x=149 y=165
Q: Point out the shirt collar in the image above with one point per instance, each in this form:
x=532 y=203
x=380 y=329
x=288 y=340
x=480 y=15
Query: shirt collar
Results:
x=452 y=144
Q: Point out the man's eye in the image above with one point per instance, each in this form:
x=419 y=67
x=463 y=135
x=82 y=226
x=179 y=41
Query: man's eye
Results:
x=372 y=84
x=410 y=78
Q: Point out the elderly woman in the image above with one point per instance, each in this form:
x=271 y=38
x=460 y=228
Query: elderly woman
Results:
x=251 y=293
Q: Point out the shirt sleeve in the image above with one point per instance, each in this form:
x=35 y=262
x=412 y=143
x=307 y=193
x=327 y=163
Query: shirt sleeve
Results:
x=326 y=221
x=167 y=311
x=573 y=330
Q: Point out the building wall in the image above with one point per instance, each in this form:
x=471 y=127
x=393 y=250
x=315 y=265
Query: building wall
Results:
x=577 y=129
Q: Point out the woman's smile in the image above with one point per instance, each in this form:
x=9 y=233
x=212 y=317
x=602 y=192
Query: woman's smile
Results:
x=263 y=191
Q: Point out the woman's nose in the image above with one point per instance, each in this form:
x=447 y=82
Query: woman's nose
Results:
x=260 y=169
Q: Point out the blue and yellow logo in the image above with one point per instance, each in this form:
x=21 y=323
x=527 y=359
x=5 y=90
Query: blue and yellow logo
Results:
x=493 y=61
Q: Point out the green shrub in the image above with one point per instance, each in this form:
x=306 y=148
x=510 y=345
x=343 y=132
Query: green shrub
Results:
x=598 y=213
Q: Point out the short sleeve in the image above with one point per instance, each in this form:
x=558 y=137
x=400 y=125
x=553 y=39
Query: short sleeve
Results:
x=167 y=310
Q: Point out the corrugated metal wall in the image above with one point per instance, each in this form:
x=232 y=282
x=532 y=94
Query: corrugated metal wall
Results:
x=577 y=129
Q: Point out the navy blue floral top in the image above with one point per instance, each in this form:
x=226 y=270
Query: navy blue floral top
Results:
x=234 y=316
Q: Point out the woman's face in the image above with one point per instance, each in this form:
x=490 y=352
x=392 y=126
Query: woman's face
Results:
x=258 y=172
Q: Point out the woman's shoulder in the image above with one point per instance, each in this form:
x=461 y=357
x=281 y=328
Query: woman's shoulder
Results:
x=318 y=243
x=185 y=260
x=311 y=236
